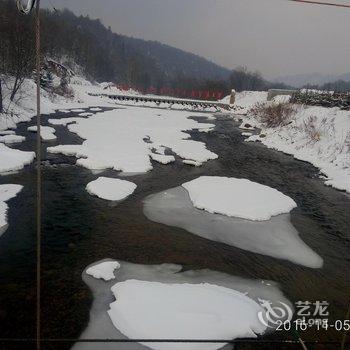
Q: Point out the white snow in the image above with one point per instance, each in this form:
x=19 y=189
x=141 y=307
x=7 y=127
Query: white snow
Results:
x=161 y=158
x=64 y=121
x=240 y=198
x=154 y=310
x=7 y=132
x=103 y=270
x=10 y=138
x=115 y=139
x=47 y=133
x=13 y=159
x=246 y=99
x=95 y=109
x=214 y=285
x=85 y=114
x=318 y=135
x=111 y=189
x=191 y=162
x=6 y=193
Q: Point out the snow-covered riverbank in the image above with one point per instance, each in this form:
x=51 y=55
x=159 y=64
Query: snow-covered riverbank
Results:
x=317 y=135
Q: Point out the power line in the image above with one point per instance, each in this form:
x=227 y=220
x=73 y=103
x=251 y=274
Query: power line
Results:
x=321 y=3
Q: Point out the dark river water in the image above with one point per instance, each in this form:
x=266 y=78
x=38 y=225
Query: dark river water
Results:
x=79 y=229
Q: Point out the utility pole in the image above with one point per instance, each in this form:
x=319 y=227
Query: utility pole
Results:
x=26 y=11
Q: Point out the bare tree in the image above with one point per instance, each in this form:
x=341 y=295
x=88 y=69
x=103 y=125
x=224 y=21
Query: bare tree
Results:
x=17 y=46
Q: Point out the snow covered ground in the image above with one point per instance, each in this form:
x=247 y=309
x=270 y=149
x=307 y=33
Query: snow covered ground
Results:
x=240 y=198
x=125 y=139
x=110 y=188
x=6 y=193
x=162 y=301
x=318 y=135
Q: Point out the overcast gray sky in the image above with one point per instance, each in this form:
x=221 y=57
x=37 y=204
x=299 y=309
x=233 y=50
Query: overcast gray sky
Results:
x=277 y=37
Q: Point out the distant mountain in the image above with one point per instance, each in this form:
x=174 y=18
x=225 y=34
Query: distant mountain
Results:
x=177 y=63
x=300 y=80
x=107 y=56
x=88 y=47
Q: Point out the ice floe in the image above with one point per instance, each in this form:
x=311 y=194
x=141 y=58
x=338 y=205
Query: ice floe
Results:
x=116 y=139
x=154 y=310
x=6 y=193
x=11 y=138
x=104 y=270
x=110 y=188
x=276 y=237
x=13 y=159
x=240 y=198
x=162 y=301
x=161 y=158
x=7 y=132
x=47 y=133
x=64 y=121
x=191 y=162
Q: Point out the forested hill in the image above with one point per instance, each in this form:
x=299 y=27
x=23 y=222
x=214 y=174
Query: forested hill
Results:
x=104 y=55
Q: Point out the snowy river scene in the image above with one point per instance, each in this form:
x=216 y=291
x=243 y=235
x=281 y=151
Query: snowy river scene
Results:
x=205 y=220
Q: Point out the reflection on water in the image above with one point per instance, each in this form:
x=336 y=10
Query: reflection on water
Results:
x=275 y=237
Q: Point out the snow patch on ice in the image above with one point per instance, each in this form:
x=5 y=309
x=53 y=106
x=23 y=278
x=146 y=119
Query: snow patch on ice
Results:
x=47 y=133
x=240 y=198
x=13 y=159
x=154 y=310
x=7 y=132
x=276 y=237
x=161 y=158
x=216 y=287
x=115 y=139
x=10 y=138
x=64 y=121
x=104 y=270
x=111 y=189
x=6 y=193
x=191 y=162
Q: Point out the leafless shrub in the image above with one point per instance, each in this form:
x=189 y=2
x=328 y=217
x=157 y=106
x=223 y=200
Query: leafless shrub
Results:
x=273 y=115
x=315 y=130
x=63 y=90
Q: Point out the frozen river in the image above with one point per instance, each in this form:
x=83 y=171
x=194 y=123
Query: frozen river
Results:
x=79 y=229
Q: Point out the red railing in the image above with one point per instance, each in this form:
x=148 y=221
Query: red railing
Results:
x=183 y=93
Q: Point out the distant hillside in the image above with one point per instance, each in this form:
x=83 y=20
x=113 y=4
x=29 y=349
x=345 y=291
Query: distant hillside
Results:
x=300 y=80
x=102 y=55
x=177 y=63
